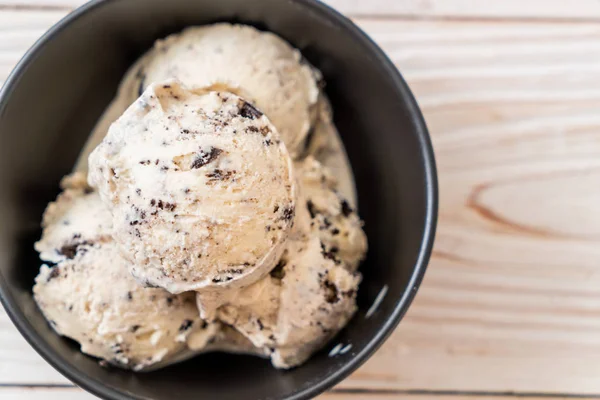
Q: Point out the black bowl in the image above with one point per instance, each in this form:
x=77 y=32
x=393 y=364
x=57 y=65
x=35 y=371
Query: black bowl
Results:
x=57 y=92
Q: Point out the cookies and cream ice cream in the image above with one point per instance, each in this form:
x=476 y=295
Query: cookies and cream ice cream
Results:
x=200 y=187
x=218 y=175
x=89 y=295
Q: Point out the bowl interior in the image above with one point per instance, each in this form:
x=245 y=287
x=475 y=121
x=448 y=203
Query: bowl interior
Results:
x=49 y=106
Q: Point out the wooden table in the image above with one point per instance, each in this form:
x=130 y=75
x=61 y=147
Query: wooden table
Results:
x=510 y=306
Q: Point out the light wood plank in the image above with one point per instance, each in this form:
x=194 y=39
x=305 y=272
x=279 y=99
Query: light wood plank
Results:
x=45 y=394
x=512 y=297
x=78 y=394
x=19 y=363
x=18 y=31
x=510 y=9
x=433 y=395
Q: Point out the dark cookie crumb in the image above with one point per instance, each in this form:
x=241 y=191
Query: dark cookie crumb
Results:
x=335 y=231
x=88 y=190
x=330 y=254
x=346 y=209
x=220 y=175
x=265 y=130
x=236 y=271
x=163 y=205
x=138 y=192
x=129 y=296
x=247 y=110
x=252 y=129
x=260 y=324
x=206 y=157
x=134 y=328
x=185 y=325
x=288 y=213
x=117 y=348
x=311 y=209
x=331 y=292
x=70 y=250
x=325 y=224
x=321 y=83
x=204 y=325
x=219 y=279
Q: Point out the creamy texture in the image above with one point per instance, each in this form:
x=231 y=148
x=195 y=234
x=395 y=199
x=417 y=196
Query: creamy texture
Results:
x=229 y=340
x=90 y=297
x=310 y=295
x=265 y=67
x=332 y=219
x=324 y=142
x=262 y=67
x=299 y=307
x=200 y=187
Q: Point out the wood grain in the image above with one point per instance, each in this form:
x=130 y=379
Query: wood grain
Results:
x=78 y=394
x=421 y=9
x=73 y=393
x=511 y=301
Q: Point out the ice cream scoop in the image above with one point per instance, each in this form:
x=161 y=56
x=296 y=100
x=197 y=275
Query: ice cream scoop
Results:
x=90 y=297
x=261 y=64
x=200 y=187
x=302 y=304
x=310 y=295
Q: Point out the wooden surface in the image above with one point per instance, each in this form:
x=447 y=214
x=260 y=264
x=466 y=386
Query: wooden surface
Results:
x=510 y=306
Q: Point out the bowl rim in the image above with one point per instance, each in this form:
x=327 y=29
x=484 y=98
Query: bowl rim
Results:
x=105 y=391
